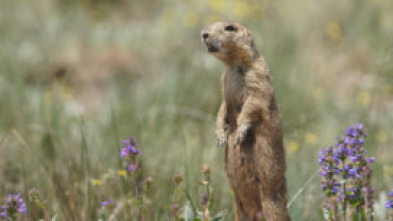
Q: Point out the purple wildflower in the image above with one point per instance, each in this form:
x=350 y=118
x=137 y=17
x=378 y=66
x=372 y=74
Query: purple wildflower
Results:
x=322 y=158
x=328 y=160
x=131 y=154
x=359 y=127
x=341 y=197
x=13 y=206
x=130 y=148
x=324 y=173
x=348 y=165
x=327 y=210
x=368 y=190
x=353 y=171
x=371 y=160
x=334 y=190
x=204 y=199
x=390 y=194
x=352 y=131
x=388 y=204
x=354 y=158
x=132 y=167
x=110 y=204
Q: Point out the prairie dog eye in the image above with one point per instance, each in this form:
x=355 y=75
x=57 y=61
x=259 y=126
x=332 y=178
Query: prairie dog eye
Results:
x=230 y=28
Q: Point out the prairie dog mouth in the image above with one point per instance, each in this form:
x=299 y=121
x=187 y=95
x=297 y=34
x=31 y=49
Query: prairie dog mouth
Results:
x=211 y=48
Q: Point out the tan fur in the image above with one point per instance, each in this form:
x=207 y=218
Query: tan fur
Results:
x=249 y=125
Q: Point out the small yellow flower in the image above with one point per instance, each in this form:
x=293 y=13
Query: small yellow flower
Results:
x=310 y=138
x=96 y=182
x=364 y=98
x=381 y=136
x=122 y=173
x=293 y=147
x=318 y=93
x=333 y=30
x=191 y=19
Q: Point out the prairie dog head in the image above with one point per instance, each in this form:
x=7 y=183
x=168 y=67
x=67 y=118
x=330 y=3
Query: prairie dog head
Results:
x=230 y=42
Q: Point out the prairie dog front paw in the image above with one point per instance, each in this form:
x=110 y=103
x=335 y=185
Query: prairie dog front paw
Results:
x=221 y=137
x=241 y=134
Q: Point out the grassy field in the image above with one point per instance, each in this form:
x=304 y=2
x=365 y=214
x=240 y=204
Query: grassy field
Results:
x=76 y=77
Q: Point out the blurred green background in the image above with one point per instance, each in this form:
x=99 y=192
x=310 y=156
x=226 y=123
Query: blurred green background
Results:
x=76 y=76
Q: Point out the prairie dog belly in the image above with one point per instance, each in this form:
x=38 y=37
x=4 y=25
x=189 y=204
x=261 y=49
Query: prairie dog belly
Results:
x=243 y=178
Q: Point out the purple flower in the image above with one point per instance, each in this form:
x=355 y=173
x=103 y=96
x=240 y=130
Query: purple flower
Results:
x=388 y=203
x=352 y=132
x=350 y=152
x=368 y=190
x=334 y=190
x=359 y=127
x=340 y=197
x=130 y=148
x=110 y=204
x=347 y=164
x=132 y=142
x=14 y=204
x=204 y=199
x=338 y=154
x=338 y=171
x=349 y=131
x=390 y=194
x=371 y=160
x=132 y=167
x=324 y=173
x=321 y=159
x=4 y=215
x=352 y=142
x=323 y=155
x=353 y=171
x=346 y=140
x=130 y=153
x=354 y=158
x=323 y=185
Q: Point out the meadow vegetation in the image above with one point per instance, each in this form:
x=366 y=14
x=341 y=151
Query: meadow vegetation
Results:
x=76 y=77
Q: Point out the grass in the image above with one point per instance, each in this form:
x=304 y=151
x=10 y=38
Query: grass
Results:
x=78 y=76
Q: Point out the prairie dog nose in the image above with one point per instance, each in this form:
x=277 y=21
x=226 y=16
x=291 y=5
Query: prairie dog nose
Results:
x=205 y=35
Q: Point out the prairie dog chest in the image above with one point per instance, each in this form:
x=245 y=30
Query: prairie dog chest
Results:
x=234 y=87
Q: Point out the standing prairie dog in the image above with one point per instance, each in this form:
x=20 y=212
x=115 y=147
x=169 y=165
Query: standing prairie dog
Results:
x=249 y=125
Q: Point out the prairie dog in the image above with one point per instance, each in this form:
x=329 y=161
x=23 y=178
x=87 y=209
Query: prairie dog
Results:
x=249 y=125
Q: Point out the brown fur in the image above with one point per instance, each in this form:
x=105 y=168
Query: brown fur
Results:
x=249 y=125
